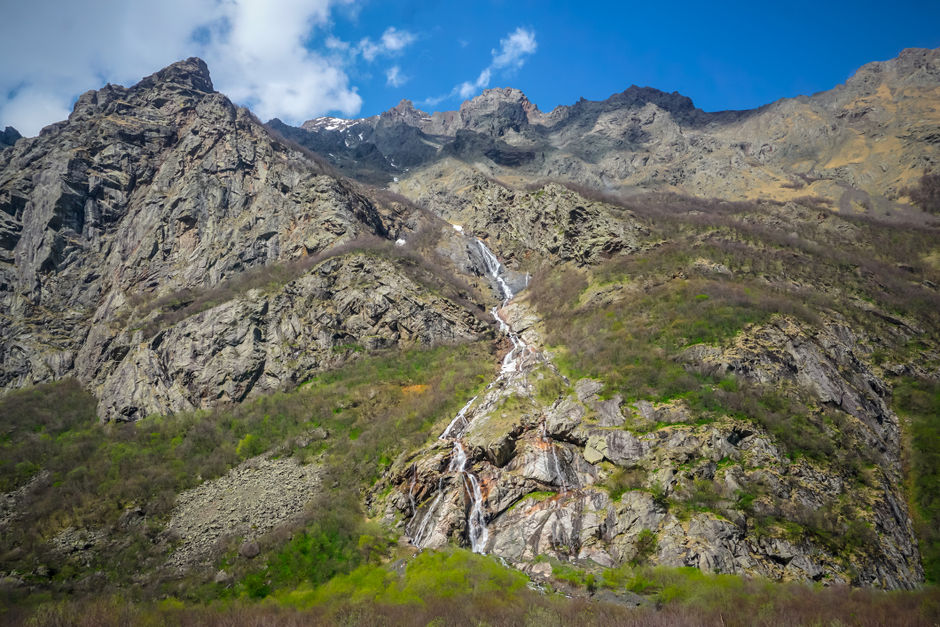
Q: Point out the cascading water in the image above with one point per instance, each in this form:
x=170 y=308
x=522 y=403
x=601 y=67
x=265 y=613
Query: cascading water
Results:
x=461 y=417
x=411 y=489
x=495 y=268
x=476 y=520
x=416 y=539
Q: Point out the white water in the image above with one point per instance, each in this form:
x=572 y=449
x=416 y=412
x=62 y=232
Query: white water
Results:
x=461 y=417
x=411 y=489
x=479 y=534
x=476 y=520
x=495 y=268
x=416 y=540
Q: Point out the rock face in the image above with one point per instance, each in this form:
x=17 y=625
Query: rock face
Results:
x=546 y=466
x=261 y=342
x=167 y=186
x=9 y=136
x=841 y=145
x=549 y=223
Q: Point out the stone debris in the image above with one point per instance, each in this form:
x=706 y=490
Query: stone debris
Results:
x=257 y=496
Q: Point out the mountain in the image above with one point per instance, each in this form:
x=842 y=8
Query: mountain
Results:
x=842 y=145
x=9 y=136
x=161 y=201
x=616 y=336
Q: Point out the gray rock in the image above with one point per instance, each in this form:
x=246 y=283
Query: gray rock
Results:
x=249 y=550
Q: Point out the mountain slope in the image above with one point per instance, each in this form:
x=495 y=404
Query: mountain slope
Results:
x=167 y=186
x=583 y=378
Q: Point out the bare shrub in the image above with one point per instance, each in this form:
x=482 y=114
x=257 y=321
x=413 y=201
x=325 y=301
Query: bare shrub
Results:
x=926 y=194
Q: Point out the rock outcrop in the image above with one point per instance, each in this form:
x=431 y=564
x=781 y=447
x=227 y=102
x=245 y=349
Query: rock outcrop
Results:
x=167 y=188
x=591 y=481
x=9 y=136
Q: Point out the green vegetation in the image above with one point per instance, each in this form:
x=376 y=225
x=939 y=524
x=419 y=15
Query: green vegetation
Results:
x=631 y=344
x=919 y=402
x=549 y=387
x=97 y=471
x=456 y=587
x=623 y=480
x=646 y=544
x=430 y=575
x=335 y=542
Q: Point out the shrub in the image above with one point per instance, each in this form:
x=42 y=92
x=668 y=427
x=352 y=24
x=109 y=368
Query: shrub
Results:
x=919 y=402
x=96 y=471
x=926 y=194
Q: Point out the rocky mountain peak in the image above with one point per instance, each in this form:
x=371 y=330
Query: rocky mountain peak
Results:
x=637 y=97
x=404 y=111
x=490 y=100
x=9 y=136
x=191 y=73
x=914 y=66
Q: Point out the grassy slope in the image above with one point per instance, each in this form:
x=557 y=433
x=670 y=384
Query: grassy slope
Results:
x=372 y=409
x=456 y=587
x=704 y=277
x=918 y=402
x=341 y=568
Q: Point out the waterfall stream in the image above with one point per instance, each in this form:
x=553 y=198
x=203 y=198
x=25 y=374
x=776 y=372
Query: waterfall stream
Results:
x=476 y=519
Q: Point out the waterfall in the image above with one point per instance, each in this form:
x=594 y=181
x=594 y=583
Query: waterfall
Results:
x=416 y=540
x=476 y=520
x=461 y=417
x=495 y=268
x=478 y=531
x=411 y=488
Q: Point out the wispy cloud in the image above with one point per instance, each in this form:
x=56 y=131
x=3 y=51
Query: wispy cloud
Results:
x=394 y=77
x=390 y=43
x=513 y=51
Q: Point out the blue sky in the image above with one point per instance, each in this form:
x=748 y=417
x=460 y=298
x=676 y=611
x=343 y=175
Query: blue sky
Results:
x=722 y=55
x=298 y=59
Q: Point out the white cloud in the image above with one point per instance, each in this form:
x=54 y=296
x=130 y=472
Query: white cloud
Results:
x=395 y=40
x=255 y=50
x=467 y=89
x=391 y=42
x=257 y=57
x=514 y=50
x=394 y=77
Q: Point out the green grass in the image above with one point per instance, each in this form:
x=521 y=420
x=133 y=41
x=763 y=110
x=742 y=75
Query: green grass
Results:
x=96 y=470
x=336 y=542
x=430 y=575
x=919 y=402
x=623 y=480
x=631 y=344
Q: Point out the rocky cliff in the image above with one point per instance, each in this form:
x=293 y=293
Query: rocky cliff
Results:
x=569 y=475
x=151 y=197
